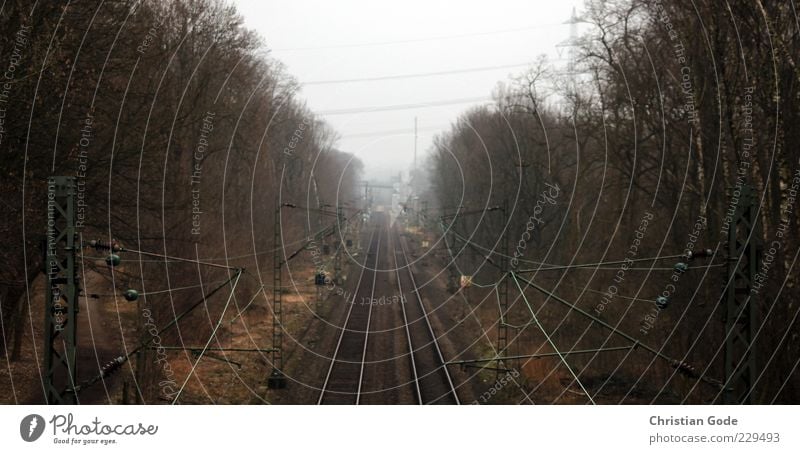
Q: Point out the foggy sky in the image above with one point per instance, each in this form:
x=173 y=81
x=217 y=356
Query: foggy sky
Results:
x=326 y=44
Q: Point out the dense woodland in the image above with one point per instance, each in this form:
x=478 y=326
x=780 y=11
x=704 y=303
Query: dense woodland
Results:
x=183 y=130
x=665 y=110
x=153 y=105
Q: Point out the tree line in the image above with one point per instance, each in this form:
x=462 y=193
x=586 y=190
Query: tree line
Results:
x=666 y=111
x=180 y=129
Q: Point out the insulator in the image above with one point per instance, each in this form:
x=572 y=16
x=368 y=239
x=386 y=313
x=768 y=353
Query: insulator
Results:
x=701 y=253
x=680 y=266
x=685 y=368
x=115 y=246
x=113 y=260
x=112 y=366
x=131 y=294
x=662 y=302
x=99 y=245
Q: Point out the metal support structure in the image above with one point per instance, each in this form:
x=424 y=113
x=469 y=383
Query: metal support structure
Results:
x=61 y=310
x=743 y=255
x=320 y=295
x=502 y=288
x=682 y=366
x=368 y=191
x=449 y=246
x=367 y=201
x=277 y=380
x=465 y=362
x=212 y=349
x=339 y=239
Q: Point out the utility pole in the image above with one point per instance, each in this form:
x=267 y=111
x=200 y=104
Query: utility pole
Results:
x=453 y=281
x=415 y=145
x=571 y=44
x=339 y=239
x=417 y=215
x=277 y=380
x=502 y=288
x=61 y=310
x=367 y=201
x=741 y=314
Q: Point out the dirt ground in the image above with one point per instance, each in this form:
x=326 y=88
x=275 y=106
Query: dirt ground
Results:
x=464 y=321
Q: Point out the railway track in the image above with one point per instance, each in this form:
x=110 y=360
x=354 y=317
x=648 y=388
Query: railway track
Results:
x=432 y=383
x=418 y=368
x=344 y=379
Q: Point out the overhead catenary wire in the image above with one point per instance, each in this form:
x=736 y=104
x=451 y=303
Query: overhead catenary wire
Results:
x=675 y=363
x=535 y=321
x=595 y=265
x=502 y=317
x=158 y=292
x=600 y=292
x=241 y=312
x=550 y=341
x=177 y=259
x=453 y=261
x=542 y=355
x=475 y=246
x=205 y=260
x=210 y=339
x=575 y=308
x=323 y=233
x=125 y=357
x=119 y=361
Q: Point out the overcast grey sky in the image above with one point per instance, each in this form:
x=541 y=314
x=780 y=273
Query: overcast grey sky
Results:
x=327 y=44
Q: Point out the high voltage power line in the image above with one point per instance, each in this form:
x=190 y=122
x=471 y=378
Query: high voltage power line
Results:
x=392 y=132
x=414 y=75
x=445 y=102
x=417 y=40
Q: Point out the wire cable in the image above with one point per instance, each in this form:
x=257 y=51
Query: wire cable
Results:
x=552 y=344
x=119 y=361
x=446 y=102
x=210 y=339
x=417 y=40
x=596 y=265
x=415 y=75
x=573 y=307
